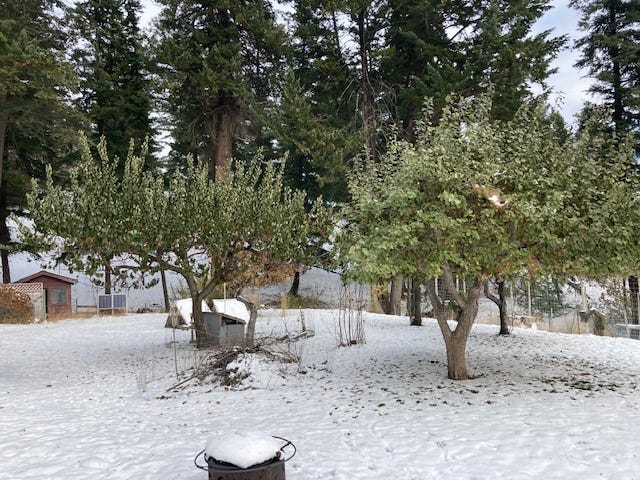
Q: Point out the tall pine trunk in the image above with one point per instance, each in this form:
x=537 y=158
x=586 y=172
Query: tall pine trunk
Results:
x=221 y=138
x=4 y=123
x=4 y=240
x=5 y=237
x=368 y=108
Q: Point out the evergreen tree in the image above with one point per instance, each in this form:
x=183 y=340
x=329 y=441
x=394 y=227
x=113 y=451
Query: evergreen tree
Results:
x=611 y=55
x=217 y=63
x=317 y=122
x=36 y=122
x=504 y=54
x=112 y=63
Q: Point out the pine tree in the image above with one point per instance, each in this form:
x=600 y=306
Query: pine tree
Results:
x=216 y=62
x=611 y=55
x=504 y=54
x=113 y=66
x=36 y=123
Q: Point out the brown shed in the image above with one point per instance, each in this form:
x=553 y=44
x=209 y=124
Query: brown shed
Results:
x=57 y=292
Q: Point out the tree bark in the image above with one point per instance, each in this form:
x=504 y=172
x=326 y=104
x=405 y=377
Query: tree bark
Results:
x=107 y=277
x=501 y=303
x=197 y=318
x=456 y=340
x=165 y=292
x=634 y=288
x=295 y=285
x=221 y=139
x=368 y=111
x=4 y=240
x=416 y=303
x=395 y=296
x=250 y=336
x=4 y=122
x=502 y=308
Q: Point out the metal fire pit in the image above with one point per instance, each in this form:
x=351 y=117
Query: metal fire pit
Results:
x=270 y=470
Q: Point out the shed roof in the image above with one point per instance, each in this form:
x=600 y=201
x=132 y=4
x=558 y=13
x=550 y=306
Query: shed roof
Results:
x=43 y=273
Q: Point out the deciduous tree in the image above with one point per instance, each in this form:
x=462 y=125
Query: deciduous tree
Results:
x=208 y=232
x=482 y=198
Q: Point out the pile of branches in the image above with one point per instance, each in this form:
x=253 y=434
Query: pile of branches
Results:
x=214 y=367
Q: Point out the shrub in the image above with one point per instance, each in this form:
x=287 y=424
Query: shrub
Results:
x=15 y=307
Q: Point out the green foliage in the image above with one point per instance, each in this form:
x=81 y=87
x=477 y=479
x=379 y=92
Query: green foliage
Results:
x=318 y=152
x=111 y=59
x=611 y=54
x=487 y=199
x=194 y=227
x=37 y=124
x=217 y=64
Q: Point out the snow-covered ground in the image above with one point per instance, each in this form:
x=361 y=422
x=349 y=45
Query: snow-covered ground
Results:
x=88 y=398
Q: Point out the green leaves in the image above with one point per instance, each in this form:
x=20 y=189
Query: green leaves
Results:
x=492 y=198
x=194 y=226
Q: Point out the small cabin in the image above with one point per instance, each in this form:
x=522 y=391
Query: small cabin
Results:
x=57 y=292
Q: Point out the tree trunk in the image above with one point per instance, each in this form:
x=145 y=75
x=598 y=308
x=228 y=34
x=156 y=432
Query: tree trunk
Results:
x=456 y=340
x=502 y=308
x=295 y=285
x=198 y=320
x=4 y=122
x=368 y=111
x=5 y=238
x=250 y=337
x=633 y=290
x=107 y=277
x=395 y=296
x=4 y=241
x=416 y=303
x=501 y=303
x=165 y=292
x=221 y=139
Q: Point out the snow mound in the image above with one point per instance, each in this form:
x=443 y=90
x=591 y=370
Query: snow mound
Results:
x=232 y=307
x=184 y=307
x=243 y=449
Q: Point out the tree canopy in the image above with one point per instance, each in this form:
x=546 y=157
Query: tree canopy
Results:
x=207 y=232
x=479 y=198
x=37 y=123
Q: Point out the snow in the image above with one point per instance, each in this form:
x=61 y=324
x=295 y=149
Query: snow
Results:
x=232 y=307
x=243 y=449
x=184 y=307
x=91 y=399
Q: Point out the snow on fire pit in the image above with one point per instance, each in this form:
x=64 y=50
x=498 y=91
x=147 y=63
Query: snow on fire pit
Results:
x=243 y=449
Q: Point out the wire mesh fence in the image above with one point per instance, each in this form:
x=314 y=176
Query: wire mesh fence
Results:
x=559 y=305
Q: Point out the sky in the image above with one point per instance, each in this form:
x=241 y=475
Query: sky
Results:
x=569 y=84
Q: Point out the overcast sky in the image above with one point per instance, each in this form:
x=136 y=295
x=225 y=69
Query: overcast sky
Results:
x=569 y=84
